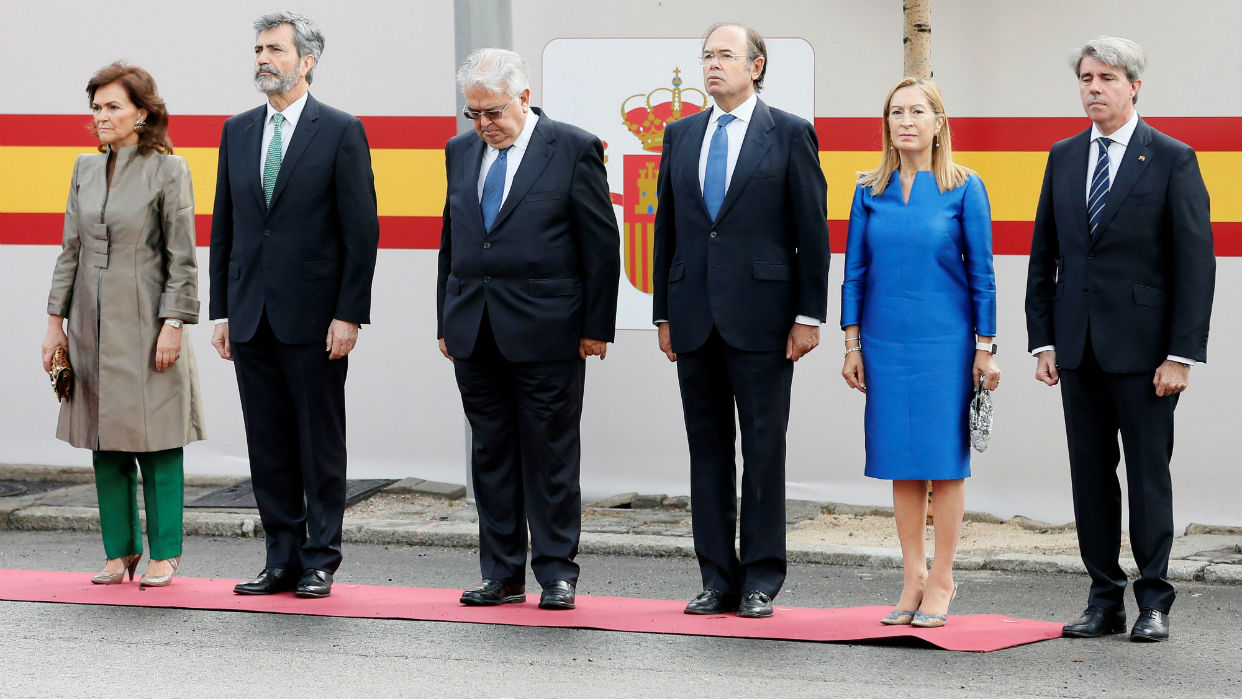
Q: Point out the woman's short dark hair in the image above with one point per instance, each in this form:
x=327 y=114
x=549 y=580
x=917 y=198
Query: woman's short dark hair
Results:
x=140 y=87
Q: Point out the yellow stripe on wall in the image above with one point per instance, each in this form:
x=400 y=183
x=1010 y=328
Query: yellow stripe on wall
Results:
x=1014 y=178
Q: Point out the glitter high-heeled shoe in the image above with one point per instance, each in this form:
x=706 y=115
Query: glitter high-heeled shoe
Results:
x=933 y=621
x=899 y=617
x=131 y=564
x=160 y=580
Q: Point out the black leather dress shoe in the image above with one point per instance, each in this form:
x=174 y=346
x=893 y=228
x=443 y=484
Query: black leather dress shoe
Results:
x=493 y=592
x=558 y=594
x=314 y=584
x=755 y=605
x=712 y=601
x=1152 y=625
x=1095 y=622
x=269 y=582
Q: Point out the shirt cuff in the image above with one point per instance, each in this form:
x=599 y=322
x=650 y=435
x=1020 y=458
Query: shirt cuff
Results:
x=808 y=320
x=1035 y=352
x=662 y=320
x=1181 y=360
x=219 y=321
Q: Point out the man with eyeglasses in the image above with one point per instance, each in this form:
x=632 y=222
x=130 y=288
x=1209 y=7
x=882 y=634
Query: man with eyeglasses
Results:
x=527 y=290
x=740 y=289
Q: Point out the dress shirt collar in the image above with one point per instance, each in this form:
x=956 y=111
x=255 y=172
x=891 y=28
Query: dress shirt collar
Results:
x=1121 y=135
x=743 y=111
x=523 y=139
x=292 y=113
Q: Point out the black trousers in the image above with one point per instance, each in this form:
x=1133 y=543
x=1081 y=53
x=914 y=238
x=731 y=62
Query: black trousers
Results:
x=526 y=460
x=293 y=403
x=715 y=380
x=1099 y=405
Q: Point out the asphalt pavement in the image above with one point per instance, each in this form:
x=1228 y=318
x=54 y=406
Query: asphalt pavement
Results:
x=59 y=650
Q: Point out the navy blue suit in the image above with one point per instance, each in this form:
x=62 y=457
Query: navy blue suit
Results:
x=512 y=304
x=1115 y=304
x=730 y=291
x=280 y=275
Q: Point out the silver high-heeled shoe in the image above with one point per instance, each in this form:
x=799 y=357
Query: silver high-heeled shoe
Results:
x=899 y=617
x=160 y=580
x=933 y=621
x=131 y=564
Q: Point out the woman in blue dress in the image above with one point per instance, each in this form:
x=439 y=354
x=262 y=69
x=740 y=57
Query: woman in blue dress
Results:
x=918 y=307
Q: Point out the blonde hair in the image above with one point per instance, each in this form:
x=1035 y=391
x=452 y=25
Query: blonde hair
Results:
x=949 y=175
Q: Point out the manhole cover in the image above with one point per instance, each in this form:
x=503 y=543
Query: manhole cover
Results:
x=241 y=495
x=9 y=489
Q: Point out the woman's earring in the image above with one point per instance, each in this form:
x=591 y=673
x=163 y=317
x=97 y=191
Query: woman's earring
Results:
x=140 y=125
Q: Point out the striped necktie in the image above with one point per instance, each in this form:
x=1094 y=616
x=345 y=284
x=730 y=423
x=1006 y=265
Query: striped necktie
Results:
x=271 y=165
x=1099 y=185
x=717 y=164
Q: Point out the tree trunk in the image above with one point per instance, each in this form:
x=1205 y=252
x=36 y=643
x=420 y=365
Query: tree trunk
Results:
x=917 y=38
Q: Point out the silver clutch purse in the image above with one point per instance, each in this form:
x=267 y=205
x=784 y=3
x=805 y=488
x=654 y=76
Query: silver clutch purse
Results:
x=980 y=418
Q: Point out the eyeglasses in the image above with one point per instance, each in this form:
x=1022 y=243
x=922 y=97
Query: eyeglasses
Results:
x=491 y=114
x=726 y=57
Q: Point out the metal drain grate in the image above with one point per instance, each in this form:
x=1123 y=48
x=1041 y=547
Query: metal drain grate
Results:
x=241 y=495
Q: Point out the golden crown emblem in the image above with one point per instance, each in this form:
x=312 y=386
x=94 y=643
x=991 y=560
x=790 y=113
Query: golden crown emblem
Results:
x=647 y=121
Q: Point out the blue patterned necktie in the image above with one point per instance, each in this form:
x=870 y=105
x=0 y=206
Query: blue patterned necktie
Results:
x=1099 y=185
x=717 y=162
x=494 y=189
x=271 y=165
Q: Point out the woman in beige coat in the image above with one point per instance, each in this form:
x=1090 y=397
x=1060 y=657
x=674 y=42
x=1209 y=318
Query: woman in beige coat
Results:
x=127 y=281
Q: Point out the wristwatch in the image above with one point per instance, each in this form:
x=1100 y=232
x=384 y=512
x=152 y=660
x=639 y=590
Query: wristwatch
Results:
x=172 y=322
x=986 y=347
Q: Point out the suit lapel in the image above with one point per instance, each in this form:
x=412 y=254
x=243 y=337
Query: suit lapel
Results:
x=754 y=146
x=1079 y=156
x=476 y=151
x=1129 y=170
x=538 y=152
x=308 y=124
x=690 y=161
x=251 y=149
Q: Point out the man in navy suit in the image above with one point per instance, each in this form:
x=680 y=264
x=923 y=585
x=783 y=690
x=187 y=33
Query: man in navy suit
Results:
x=740 y=289
x=1118 y=299
x=527 y=290
x=293 y=240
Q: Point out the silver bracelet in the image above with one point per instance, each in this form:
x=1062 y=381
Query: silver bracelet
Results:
x=852 y=349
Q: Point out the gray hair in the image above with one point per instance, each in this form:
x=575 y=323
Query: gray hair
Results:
x=756 y=47
x=494 y=70
x=306 y=35
x=1116 y=52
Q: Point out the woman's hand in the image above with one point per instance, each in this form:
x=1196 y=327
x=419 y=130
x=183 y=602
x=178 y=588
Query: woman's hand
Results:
x=985 y=366
x=853 y=371
x=168 y=347
x=54 y=338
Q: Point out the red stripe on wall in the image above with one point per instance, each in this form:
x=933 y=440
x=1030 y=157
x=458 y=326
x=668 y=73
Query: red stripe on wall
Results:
x=1027 y=133
x=423 y=233
x=396 y=232
x=203 y=131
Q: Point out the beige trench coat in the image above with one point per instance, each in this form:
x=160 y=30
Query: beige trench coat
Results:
x=127 y=263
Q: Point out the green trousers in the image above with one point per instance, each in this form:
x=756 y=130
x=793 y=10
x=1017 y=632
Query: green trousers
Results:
x=163 y=489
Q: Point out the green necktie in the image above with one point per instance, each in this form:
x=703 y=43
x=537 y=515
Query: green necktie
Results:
x=271 y=166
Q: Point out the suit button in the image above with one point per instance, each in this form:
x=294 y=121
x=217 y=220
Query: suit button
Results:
x=267 y=234
x=487 y=280
x=1091 y=256
x=713 y=234
x=487 y=244
x=1084 y=292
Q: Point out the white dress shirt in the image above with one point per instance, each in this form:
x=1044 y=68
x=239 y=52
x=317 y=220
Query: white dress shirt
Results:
x=1119 y=141
x=512 y=161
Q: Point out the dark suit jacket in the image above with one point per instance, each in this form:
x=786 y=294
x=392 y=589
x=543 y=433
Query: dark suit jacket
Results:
x=765 y=260
x=309 y=258
x=1142 y=285
x=548 y=268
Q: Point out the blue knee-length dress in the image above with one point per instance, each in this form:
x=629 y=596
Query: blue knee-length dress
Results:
x=919 y=281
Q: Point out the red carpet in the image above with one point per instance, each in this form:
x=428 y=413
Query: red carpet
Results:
x=972 y=632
